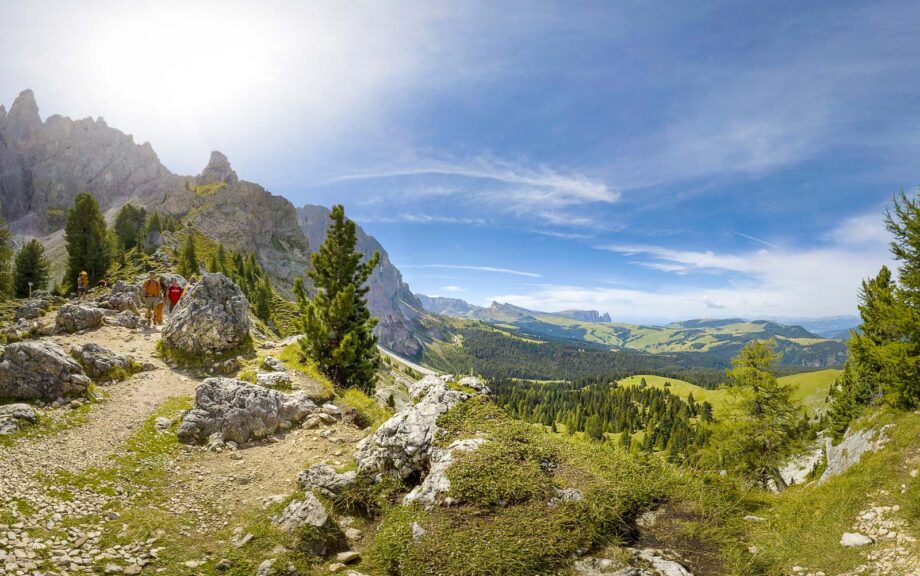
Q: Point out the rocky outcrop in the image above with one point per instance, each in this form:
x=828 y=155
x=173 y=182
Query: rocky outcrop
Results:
x=851 y=449
x=241 y=412
x=403 y=444
x=101 y=363
x=76 y=317
x=584 y=315
x=40 y=371
x=434 y=489
x=12 y=415
x=218 y=170
x=212 y=317
x=325 y=480
x=388 y=298
x=123 y=296
x=641 y=562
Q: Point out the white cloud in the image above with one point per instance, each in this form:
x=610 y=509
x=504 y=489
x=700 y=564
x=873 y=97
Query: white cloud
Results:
x=453 y=289
x=761 y=283
x=490 y=269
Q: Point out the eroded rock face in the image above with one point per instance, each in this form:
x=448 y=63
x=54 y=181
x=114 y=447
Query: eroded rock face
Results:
x=99 y=362
x=76 y=317
x=241 y=412
x=436 y=484
x=212 y=317
x=402 y=445
x=851 y=449
x=325 y=480
x=40 y=371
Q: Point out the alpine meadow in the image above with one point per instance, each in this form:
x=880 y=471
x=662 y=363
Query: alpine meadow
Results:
x=488 y=289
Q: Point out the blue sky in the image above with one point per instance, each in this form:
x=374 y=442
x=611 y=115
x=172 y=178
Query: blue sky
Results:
x=657 y=161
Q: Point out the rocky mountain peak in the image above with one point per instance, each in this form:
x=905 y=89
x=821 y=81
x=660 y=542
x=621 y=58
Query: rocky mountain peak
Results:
x=218 y=170
x=23 y=121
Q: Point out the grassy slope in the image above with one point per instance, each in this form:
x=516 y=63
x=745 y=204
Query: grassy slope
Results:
x=811 y=388
x=804 y=524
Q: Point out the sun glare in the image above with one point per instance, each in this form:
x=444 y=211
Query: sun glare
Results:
x=187 y=62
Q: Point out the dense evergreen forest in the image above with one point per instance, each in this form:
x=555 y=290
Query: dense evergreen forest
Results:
x=650 y=419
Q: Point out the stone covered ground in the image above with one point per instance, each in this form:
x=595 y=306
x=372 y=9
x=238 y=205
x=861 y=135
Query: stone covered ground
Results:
x=98 y=489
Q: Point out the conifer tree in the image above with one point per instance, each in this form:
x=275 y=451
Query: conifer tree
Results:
x=299 y=291
x=762 y=427
x=337 y=324
x=188 y=260
x=31 y=268
x=263 y=299
x=88 y=246
x=129 y=226
x=6 y=255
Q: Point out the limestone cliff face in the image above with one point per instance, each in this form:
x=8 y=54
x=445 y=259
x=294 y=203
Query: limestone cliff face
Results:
x=44 y=164
x=389 y=298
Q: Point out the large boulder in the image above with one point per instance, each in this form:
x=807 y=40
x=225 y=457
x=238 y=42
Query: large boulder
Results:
x=402 y=445
x=241 y=412
x=123 y=297
x=212 y=317
x=101 y=363
x=32 y=309
x=75 y=317
x=40 y=371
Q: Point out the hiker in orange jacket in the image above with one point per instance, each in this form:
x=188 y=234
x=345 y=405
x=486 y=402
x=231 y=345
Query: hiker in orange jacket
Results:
x=152 y=292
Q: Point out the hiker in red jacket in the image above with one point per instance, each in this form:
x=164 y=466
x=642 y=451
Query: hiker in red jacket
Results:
x=173 y=294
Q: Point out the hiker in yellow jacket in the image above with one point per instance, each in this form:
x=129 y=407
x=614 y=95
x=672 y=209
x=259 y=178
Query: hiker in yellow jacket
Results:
x=152 y=298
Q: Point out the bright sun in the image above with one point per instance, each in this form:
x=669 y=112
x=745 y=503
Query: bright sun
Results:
x=188 y=60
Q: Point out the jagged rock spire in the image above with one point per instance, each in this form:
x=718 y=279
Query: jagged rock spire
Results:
x=23 y=120
x=218 y=170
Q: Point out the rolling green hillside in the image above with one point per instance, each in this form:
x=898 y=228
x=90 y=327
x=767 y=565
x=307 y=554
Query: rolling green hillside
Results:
x=721 y=339
x=811 y=388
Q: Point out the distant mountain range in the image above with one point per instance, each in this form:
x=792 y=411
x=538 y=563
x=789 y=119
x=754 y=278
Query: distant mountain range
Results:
x=721 y=338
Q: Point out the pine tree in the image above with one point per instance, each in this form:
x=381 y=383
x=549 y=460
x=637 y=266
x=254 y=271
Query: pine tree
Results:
x=594 y=429
x=31 y=268
x=88 y=247
x=129 y=226
x=262 y=302
x=337 y=324
x=299 y=291
x=6 y=255
x=188 y=260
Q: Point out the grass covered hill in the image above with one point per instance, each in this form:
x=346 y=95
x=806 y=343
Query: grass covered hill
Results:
x=720 y=339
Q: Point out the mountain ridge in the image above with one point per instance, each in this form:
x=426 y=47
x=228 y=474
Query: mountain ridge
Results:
x=44 y=164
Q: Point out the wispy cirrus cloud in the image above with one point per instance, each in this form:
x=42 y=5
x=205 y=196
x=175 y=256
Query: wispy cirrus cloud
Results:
x=490 y=269
x=542 y=184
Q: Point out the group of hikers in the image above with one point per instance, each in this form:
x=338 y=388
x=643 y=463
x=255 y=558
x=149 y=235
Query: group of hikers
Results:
x=156 y=296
